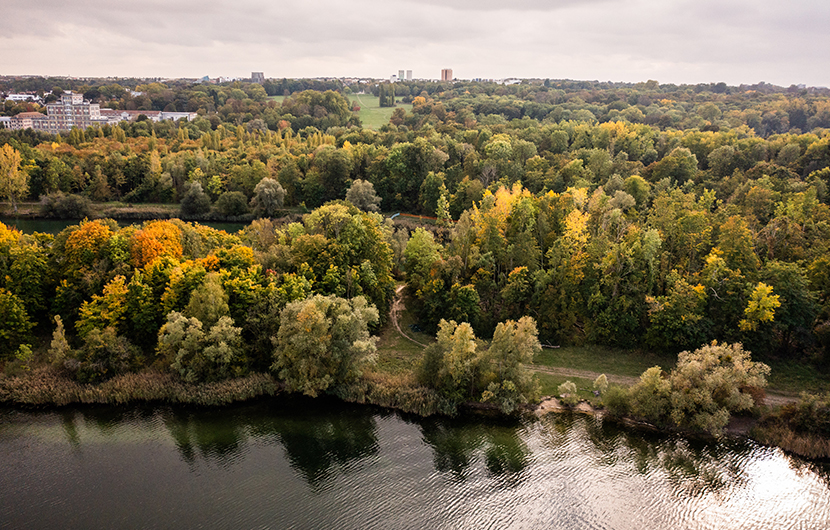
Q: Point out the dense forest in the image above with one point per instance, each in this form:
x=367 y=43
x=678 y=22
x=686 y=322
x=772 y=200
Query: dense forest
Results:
x=630 y=215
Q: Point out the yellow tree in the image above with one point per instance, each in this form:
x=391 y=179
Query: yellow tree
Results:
x=761 y=307
x=14 y=182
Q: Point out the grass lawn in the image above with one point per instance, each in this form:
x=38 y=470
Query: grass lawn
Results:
x=397 y=354
x=790 y=377
x=549 y=385
x=605 y=360
x=371 y=114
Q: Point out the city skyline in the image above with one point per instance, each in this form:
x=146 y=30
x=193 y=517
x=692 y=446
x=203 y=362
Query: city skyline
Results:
x=734 y=41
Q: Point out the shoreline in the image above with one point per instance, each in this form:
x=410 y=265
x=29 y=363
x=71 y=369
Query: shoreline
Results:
x=44 y=388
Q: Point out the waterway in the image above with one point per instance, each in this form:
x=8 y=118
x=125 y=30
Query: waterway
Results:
x=295 y=463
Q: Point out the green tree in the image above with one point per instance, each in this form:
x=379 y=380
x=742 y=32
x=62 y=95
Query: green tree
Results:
x=362 y=194
x=195 y=201
x=268 y=197
x=14 y=324
x=508 y=382
x=208 y=302
x=420 y=254
x=200 y=356
x=232 y=204
x=108 y=309
x=322 y=343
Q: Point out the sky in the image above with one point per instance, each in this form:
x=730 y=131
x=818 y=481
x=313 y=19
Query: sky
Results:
x=671 y=41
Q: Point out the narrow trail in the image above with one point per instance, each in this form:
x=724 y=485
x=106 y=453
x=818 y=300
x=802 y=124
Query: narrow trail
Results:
x=397 y=307
x=773 y=399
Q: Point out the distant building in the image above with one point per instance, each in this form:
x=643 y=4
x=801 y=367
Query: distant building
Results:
x=446 y=74
x=72 y=110
x=22 y=97
x=400 y=75
x=409 y=75
x=258 y=77
x=393 y=78
x=29 y=120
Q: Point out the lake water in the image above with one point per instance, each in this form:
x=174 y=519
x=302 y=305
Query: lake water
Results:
x=297 y=463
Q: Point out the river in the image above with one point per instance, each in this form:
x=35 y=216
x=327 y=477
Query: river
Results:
x=296 y=463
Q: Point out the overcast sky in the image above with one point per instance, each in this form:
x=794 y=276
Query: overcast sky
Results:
x=672 y=41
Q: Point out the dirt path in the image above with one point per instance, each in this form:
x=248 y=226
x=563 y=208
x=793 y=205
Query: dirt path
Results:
x=397 y=307
x=773 y=399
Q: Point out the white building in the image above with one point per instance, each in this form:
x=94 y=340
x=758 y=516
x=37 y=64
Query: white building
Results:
x=22 y=97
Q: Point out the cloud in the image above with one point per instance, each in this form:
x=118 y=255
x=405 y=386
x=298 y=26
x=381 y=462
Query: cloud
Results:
x=633 y=40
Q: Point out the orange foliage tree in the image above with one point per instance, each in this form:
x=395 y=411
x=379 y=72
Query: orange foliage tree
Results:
x=156 y=238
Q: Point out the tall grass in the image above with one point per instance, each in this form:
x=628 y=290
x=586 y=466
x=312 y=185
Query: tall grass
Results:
x=44 y=386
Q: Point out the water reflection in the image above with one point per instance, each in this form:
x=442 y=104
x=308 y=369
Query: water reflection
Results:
x=295 y=463
x=206 y=434
x=456 y=445
x=321 y=441
x=692 y=467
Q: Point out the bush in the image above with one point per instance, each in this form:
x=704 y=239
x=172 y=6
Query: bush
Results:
x=802 y=428
x=59 y=205
x=103 y=355
x=232 y=204
x=601 y=384
x=702 y=391
x=567 y=393
x=195 y=201
x=615 y=401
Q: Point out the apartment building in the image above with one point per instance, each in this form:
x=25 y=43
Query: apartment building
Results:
x=72 y=110
x=29 y=120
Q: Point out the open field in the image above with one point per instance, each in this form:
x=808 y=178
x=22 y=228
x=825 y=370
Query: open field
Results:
x=370 y=114
x=600 y=359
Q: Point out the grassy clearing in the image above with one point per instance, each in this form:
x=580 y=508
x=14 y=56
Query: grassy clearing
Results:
x=791 y=378
x=371 y=114
x=605 y=360
x=397 y=354
x=549 y=385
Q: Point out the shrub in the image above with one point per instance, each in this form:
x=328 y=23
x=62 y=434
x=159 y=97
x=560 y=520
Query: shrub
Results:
x=601 y=384
x=195 y=201
x=103 y=355
x=567 y=393
x=232 y=204
x=59 y=205
x=615 y=401
x=702 y=391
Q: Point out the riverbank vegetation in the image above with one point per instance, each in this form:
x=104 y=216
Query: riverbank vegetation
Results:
x=616 y=218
